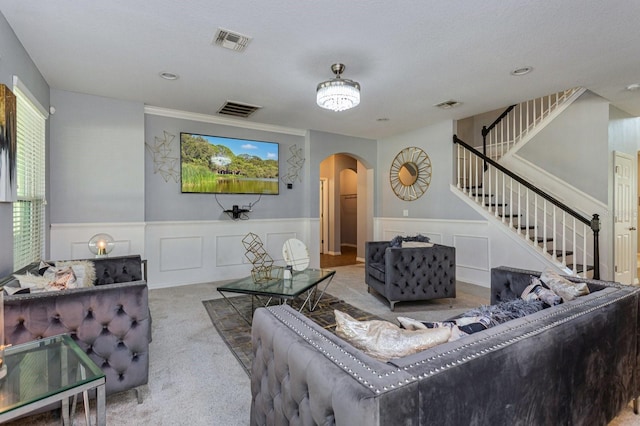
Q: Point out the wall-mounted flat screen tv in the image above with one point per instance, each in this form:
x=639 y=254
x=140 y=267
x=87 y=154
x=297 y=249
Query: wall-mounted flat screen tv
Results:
x=217 y=165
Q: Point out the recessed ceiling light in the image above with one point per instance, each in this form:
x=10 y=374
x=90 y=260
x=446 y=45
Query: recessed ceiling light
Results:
x=633 y=87
x=168 y=75
x=521 y=71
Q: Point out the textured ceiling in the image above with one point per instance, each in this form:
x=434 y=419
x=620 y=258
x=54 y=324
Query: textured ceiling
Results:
x=407 y=55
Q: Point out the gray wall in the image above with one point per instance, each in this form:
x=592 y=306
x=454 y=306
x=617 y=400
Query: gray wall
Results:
x=323 y=145
x=164 y=200
x=438 y=201
x=14 y=60
x=574 y=147
x=97 y=159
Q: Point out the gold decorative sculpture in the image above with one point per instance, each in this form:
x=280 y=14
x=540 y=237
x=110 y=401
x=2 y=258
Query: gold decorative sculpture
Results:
x=410 y=173
x=259 y=258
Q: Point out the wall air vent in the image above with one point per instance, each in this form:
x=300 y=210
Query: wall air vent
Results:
x=236 y=109
x=230 y=40
x=448 y=104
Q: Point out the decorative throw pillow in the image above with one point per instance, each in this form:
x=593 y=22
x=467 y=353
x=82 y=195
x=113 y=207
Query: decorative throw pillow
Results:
x=398 y=241
x=28 y=281
x=563 y=287
x=383 y=340
x=414 y=244
x=537 y=291
x=60 y=278
x=84 y=270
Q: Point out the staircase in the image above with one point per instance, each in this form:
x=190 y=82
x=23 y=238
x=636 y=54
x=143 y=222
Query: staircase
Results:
x=564 y=237
x=521 y=122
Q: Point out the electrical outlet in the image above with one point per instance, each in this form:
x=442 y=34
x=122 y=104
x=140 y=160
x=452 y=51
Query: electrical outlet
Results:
x=405 y=213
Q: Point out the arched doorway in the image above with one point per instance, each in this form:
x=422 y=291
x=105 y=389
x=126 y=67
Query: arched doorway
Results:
x=345 y=210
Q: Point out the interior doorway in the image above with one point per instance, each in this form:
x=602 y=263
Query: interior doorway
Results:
x=344 y=218
x=625 y=218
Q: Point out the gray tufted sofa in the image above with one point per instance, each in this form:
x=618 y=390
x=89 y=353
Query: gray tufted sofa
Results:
x=110 y=321
x=571 y=364
x=408 y=274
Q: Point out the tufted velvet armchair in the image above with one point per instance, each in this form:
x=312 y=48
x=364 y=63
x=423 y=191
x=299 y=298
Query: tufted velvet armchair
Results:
x=110 y=321
x=403 y=274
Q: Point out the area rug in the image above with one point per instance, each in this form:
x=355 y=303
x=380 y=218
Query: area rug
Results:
x=236 y=333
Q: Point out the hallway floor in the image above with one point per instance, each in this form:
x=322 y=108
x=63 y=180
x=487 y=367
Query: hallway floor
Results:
x=348 y=257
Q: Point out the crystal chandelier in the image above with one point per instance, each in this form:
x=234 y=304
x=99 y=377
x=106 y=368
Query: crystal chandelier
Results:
x=338 y=94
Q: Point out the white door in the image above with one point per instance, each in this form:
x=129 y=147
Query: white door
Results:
x=624 y=250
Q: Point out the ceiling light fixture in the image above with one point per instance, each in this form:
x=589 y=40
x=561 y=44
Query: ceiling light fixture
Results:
x=168 y=75
x=338 y=94
x=521 y=71
x=633 y=87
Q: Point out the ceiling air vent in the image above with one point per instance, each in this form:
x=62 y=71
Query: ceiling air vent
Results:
x=237 y=109
x=448 y=104
x=230 y=40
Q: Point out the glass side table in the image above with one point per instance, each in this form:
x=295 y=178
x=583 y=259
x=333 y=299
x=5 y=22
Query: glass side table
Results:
x=49 y=370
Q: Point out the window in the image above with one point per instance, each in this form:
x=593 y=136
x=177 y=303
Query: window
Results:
x=29 y=209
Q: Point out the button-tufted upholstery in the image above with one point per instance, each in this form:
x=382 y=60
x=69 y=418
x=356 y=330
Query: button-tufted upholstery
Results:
x=110 y=322
x=570 y=364
x=410 y=273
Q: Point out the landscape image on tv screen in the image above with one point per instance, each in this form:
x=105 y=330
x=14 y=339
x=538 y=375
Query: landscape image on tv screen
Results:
x=217 y=165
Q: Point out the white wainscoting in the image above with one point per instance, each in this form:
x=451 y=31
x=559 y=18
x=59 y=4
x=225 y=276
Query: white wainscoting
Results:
x=479 y=244
x=181 y=253
x=70 y=240
x=189 y=252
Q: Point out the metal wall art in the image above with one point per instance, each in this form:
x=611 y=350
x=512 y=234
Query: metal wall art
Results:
x=295 y=161
x=164 y=162
x=8 y=146
x=410 y=173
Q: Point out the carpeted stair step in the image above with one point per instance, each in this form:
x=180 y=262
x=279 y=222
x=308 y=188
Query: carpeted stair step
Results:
x=580 y=268
x=540 y=240
x=558 y=253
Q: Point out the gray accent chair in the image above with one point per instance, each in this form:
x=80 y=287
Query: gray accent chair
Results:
x=403 y=274
x=111 y=321
x=570 y=364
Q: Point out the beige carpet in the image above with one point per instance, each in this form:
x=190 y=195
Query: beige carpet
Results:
x=194 y=378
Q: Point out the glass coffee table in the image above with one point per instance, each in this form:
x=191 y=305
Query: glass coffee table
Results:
x=49 y=370
x=303 y=283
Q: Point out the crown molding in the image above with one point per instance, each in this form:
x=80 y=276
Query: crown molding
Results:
x=206 y=118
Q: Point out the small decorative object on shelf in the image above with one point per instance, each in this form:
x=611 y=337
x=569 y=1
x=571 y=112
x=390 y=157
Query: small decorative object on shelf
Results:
x=101 y=245
x=237 y=213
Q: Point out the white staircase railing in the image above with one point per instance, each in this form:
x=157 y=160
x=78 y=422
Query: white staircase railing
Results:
x=523 y=120
x=562 y=235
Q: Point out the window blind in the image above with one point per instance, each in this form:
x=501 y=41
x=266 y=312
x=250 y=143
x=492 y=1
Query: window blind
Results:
x=29 y=209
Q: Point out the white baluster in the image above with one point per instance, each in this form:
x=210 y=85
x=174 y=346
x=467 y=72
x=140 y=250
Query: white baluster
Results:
x=497 y=193
x=526 y=207
x=575 y=252
x=535 y=218
x=458 y=171
x=519 y=209
x=545 y=248
x=511 y=203
x=555 y=234
x=502 y=197
x=584 y=250
x=464 y=171
x=564 y=239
